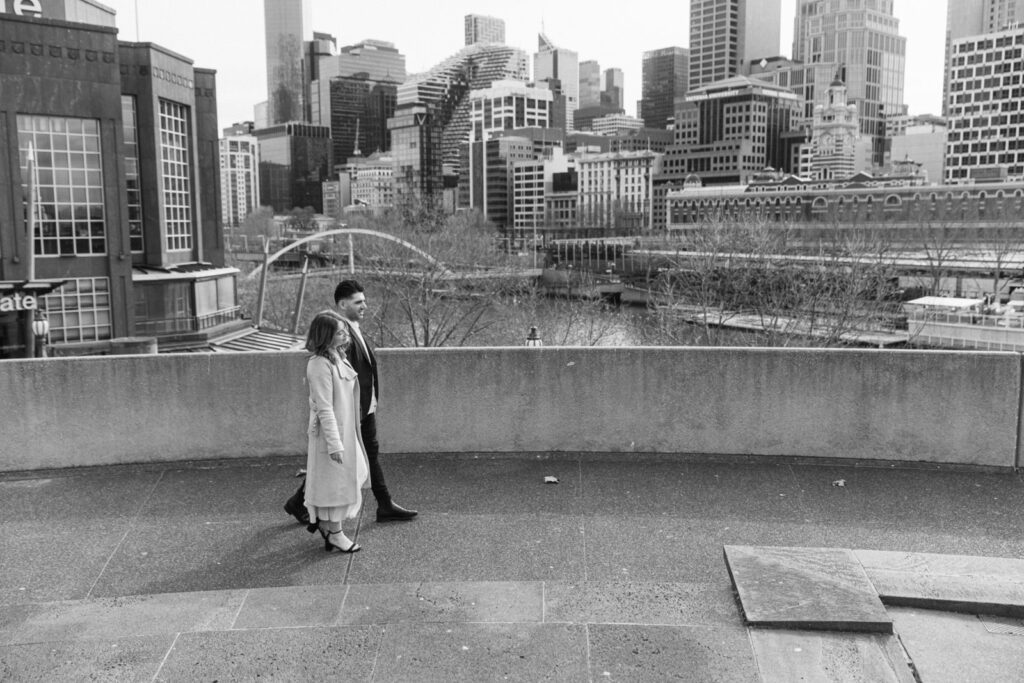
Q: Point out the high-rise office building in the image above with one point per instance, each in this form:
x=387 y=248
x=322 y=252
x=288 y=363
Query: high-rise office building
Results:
x=438 y=100
x=971 y=18
x=288 y=27
x=360 y=109
x=613 y=93
x=507 y=105
x=557 y=63
x=295 y=160
x=665 y=79
x=484 y=29
x=725 y=35
x=590 y=84
x=861 y=43
x=239 y=174
x=984 y=141
x=377 y=61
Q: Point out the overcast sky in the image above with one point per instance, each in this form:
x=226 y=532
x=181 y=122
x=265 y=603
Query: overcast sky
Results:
x=228 y=36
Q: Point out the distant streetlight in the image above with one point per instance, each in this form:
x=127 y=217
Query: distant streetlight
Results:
x=41 y=330
x=533 y=339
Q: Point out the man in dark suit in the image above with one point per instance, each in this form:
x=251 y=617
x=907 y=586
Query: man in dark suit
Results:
x=350 y=300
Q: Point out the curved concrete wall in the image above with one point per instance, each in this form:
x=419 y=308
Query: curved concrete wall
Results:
x=941 y=407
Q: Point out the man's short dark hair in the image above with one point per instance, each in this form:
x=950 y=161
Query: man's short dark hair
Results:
x=345 y=289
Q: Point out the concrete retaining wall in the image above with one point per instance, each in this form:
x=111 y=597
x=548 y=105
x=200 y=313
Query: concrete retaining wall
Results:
x=941 y=407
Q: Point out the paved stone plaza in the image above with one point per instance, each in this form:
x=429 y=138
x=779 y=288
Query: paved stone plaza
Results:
x=193 y=572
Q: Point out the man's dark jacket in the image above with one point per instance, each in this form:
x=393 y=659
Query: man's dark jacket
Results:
x=366 y=367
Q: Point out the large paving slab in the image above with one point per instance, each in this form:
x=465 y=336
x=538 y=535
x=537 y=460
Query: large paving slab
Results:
x=786 y=656
x=718 y=654
x=958 y=648
x=114 y=618
x=805 y=588
x=125 y=659
x=976 y=585
x=344 y=653
x=441 y=653
x=641 y=602
x=447 y=602
x=460 y=547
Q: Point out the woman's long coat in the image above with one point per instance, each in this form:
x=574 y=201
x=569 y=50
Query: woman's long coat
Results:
x=334 y=426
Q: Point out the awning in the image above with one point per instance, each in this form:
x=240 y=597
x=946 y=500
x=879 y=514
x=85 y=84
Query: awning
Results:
x=253 y=339
x=944 y=302
x=34 y=287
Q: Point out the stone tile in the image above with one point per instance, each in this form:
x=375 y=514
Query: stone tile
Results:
x=483 y=484
x=180 y=554
x=676 y=653
x=668 y=549
x=787 y=656
x=957 y=648
x=691 y=490
x=455 y=547
x=973 y=594
x=640 y=602
x=114 y=618
x=97 y=497
x=126 y=659
x=911 y=498
x=202 y=491
x=466 y=601
x=1005 y=568
x=425 y=653
x=287 y=654
x=37 y=566
x=805 y=588
x=291 y=606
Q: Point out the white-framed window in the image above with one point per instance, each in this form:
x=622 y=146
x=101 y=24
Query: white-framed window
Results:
x=176 y=160
x=80 y=310
x=70 y=216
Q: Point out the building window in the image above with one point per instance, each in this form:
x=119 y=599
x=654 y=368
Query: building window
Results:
x=70 y=218
x=80 y=310
x=131 y=172
x=176 y=157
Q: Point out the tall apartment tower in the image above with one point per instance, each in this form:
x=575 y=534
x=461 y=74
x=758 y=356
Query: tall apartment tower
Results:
x=860 y=42
x=239 y=174
x=665 y=79
x=484 y=29
x=614 y=88
x=590 y=84
x=983 y=140
x=971 y=18
x=557 y=63
x=725 y=35
x=288 y=27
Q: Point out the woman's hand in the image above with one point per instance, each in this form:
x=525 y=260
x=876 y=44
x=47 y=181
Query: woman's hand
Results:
x=336 y=456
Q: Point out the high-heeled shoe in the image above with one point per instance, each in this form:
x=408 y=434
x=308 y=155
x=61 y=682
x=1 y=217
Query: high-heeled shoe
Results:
x=330 y=547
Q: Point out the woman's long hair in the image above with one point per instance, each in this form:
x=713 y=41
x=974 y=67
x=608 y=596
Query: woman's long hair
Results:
x=320 y=338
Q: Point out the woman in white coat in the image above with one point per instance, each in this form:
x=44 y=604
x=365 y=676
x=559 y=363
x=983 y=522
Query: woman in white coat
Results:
x=336 y=465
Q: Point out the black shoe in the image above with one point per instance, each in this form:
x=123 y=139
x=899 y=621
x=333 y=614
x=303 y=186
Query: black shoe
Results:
x=299 y=512
x=393 y=512
x=331 y=548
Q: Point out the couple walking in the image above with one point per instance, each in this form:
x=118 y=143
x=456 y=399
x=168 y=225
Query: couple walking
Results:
x=342 y=448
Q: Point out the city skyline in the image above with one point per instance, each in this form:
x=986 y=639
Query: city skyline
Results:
x=438 y=32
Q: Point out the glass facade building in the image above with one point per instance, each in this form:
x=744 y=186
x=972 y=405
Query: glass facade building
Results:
x=484 y=29
x=725 y=35
x=288 y=26
x=665 y=79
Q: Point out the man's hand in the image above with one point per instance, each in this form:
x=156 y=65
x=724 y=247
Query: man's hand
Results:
x=336 y=456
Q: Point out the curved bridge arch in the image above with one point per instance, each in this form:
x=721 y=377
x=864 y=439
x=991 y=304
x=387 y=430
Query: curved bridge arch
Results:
x=350 y=231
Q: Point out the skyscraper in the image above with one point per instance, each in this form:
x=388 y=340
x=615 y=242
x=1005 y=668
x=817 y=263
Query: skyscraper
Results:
x=862 y=45
x=288 y=26
x=590 y=84
x=484 y=29
x=239 y=176
x=665 y=79
x=557 y=63
x=614 y=84
x=971 y=18
x=725 y=35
